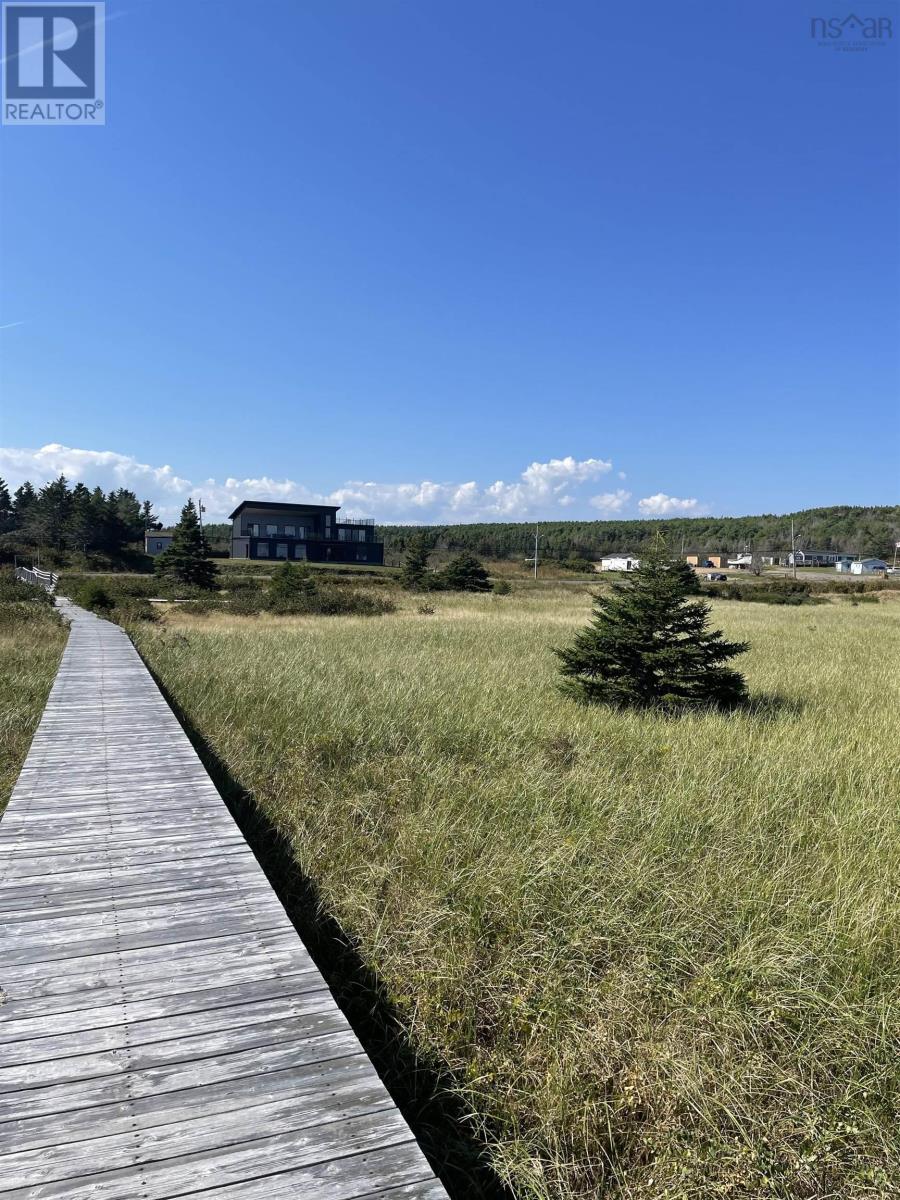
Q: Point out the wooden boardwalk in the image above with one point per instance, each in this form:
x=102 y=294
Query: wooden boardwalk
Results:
x=164 y=1032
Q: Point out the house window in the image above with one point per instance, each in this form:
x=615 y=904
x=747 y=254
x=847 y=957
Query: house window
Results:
x=360 y=535
x=342 y=535
x=254 y=531
x=299 y=551
x=271 y=530
x=301 y=531
x=159 y=545
x=290 y=531
x=262 y=550
x=281 y=550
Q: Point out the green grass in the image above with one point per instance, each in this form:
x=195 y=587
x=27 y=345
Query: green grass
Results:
x=661 y=956
x=32 y=638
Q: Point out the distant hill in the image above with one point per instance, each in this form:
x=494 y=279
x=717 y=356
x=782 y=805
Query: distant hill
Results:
x=849 y=528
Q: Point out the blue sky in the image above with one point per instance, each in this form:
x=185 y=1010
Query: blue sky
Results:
x=593 y=255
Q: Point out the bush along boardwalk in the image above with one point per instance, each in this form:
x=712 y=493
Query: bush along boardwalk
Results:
x=163 y=1030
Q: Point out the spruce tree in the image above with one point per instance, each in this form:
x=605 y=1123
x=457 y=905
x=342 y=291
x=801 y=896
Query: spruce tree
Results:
x=187 y=559
x=81 y=525
x=465 y=573
x=7 y=513
x=648 y=644
x=291 y=588
x=413 y=573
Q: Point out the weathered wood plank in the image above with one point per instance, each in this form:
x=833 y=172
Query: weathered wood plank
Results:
x=255 y=1156
x=47 y=1028
x=344 y=1076
x=66 y=1054
x=252 y=1060
x=117 y=1152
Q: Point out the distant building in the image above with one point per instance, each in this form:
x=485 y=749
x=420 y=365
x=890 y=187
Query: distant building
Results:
x=619 y=562
x=700 y=559
x=868 y=566
x=265 y=529
x=817 y=558
x=157 y=541
x=741 y=562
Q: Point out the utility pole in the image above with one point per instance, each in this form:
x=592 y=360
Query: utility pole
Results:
x=793 y=549
x=535 y=550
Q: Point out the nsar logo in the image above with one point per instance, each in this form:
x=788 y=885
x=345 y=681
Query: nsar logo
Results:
x=851 y=32
x=53 y=64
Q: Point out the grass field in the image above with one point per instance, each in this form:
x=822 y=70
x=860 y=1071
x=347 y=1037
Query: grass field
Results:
x=32 y=638
x=661 y=956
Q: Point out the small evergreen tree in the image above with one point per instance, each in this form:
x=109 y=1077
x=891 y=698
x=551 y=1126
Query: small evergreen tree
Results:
x=291 y=588
x=187 y=559
x=414 y=572
x=648 y=644
x=465 y=573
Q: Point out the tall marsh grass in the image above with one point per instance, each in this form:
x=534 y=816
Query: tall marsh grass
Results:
x=32 y=638
x=661 y=956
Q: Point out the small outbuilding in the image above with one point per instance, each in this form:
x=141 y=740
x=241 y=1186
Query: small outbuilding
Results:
x=619 y=562
x=868 y=566
x=157 y=541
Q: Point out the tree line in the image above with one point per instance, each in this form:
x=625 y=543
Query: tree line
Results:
x=59 y=518
x=851 y=529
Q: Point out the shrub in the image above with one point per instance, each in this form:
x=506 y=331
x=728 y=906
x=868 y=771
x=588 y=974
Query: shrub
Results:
x=135 y=609
x=502 y=587
x=465 y=573
x=246 y=601
x=12 y=590
x=95 y=596
x=329 y=601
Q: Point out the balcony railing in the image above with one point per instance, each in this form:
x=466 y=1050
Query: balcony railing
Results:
x=310 y=535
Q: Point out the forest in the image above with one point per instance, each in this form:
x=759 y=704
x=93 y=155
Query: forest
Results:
x=58 y=519
x=849 y=528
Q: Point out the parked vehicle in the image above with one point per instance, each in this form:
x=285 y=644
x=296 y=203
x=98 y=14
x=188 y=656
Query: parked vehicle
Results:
x=716 y=577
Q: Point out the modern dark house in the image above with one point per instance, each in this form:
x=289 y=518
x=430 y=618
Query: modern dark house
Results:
x=298 y=532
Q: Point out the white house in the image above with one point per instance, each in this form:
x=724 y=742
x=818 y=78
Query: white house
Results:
x=817 y=558
x=742 y=563
x=868 y=566
x=619 y=562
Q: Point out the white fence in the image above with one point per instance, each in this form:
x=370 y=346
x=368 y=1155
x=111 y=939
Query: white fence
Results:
x=44 y=579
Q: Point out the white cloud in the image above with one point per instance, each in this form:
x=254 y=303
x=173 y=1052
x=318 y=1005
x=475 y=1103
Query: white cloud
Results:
x=93 y=467
x=662 y=505
x=542 y=490
x=611 y=502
